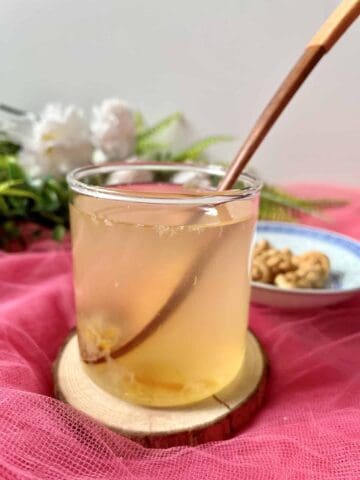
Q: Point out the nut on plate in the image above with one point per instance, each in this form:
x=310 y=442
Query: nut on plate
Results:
x=261 y=246
x=273 y=262
x=286 y=270
x=279 y=261
x=313 y=258
x=260 y=272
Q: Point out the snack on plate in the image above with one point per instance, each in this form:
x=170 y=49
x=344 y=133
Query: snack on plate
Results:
x=286 y=270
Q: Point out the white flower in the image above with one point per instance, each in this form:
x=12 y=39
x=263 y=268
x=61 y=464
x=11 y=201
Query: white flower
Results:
x=59 y=141
x=113 y=129
x=129 y=176
x=192 y=179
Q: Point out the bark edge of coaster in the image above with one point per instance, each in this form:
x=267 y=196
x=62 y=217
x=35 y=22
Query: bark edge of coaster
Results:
x=218 y=417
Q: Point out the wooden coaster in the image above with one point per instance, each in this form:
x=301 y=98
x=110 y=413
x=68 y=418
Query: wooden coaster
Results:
x=216 y=418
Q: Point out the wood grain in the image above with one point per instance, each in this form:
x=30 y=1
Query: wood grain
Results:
x=218 y=417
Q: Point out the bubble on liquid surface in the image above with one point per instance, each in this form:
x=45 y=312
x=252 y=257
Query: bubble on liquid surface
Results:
x=162 y=230
x=197 y=228
x=94 y=219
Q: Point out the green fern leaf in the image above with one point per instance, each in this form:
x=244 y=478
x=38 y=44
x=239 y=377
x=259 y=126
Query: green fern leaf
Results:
x=154 y=130
x=269 y=210
x=195 y=150
x=145 y=148
x=139 y=122
x=277 y=204
x=302 y=204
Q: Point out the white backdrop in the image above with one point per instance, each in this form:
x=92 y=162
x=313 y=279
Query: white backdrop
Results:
x=216 y=60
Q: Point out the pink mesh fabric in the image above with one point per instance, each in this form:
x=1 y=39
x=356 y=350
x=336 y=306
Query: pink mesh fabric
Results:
x=308 y=429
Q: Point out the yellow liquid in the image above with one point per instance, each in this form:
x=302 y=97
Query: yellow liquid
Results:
x=128 y=260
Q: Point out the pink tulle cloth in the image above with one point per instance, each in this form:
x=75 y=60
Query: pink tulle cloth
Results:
x=308 y=428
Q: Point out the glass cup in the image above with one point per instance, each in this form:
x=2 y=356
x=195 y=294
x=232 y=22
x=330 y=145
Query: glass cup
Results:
x=161 y=274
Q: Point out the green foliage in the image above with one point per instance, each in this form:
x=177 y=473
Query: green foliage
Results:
x=277 y=204
x=149 y=133
x=59 y=232
x=44 y=203
x=197 y=149
x=149 y=148
x=7 y=147
x=139 y=122
x=148 y=144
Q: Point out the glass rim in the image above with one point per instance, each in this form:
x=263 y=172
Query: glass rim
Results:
x=97 y=191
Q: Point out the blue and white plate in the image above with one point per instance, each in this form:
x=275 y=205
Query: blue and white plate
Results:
x=344 y=255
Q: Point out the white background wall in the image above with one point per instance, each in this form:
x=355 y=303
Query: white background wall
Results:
x=216 y=60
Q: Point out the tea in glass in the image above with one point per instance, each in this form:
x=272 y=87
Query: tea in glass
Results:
x=162 y=287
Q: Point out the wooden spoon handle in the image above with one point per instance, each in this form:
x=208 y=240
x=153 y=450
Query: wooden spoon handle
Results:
x=270 y=114
x=324 y=39
x=338 y=22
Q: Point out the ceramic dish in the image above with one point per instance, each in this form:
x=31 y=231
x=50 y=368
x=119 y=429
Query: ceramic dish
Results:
x=344 y=255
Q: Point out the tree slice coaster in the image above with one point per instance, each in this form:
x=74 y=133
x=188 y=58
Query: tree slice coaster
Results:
x=218 y=417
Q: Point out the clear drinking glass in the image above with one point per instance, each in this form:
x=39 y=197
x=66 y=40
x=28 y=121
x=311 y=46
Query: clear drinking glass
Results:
x=161 y=274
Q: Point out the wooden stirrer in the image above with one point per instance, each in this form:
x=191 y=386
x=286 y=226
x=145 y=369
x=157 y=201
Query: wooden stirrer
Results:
x=338 y=22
